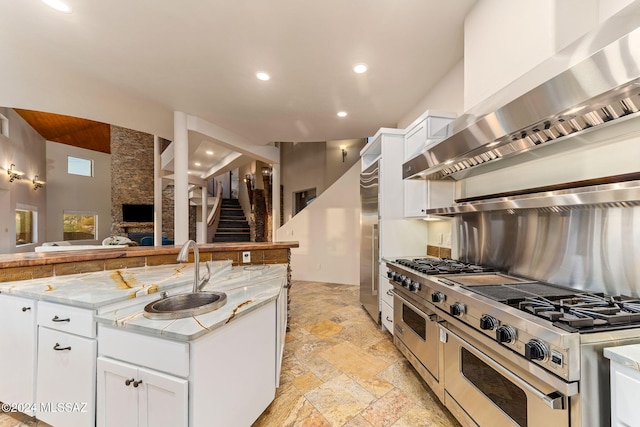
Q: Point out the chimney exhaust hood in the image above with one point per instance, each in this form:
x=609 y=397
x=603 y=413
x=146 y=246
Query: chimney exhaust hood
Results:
x=592 y=93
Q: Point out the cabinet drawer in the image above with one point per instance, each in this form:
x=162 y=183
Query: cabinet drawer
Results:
x=157 y=353
x=387 y=317
x=60 y=317
x=386 y=290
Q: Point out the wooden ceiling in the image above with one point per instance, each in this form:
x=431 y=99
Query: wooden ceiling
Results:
x=70 y=130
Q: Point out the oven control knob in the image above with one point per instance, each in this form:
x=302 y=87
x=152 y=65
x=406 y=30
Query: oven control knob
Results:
x=535 y=350
x=506 y=334
x=438 y=297
x=406 y=282
x=390 y=274
x=457 y=309
x=488 y=323
x=415 y=286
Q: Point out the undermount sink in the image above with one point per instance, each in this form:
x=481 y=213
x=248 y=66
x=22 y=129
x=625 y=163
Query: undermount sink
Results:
x=185 y=305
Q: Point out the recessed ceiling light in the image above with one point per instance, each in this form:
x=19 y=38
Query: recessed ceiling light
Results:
x=58 y=5
x=360 y=68
x=342 y=114
x=197 y=163
x=209 y=152
x=263 y=76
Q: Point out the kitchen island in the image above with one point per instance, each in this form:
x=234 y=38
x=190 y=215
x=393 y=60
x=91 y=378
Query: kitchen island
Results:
x=66 y=334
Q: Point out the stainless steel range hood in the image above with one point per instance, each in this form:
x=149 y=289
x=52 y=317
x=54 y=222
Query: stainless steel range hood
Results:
x=599 y=90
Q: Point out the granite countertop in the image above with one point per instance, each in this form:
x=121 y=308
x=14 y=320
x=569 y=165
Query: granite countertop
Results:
x=626 y=355
x=247 y=288
x=100 y=289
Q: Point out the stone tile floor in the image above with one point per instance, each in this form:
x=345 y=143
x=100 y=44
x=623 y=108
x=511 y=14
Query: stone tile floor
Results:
x=339 y=369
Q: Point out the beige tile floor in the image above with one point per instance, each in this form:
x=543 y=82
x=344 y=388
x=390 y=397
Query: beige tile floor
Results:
x=339 y=369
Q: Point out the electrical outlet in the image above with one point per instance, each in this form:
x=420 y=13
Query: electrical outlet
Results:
x=246 y=257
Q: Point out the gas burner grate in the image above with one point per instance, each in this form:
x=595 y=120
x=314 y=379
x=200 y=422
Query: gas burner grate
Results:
x=431 y=266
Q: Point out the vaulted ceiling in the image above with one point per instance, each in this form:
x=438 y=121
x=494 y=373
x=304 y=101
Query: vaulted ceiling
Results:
x=69 y=130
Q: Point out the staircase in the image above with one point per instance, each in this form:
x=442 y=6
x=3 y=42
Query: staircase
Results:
x=233 y=226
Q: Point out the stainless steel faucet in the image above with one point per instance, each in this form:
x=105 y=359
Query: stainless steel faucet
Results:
x=183 y=256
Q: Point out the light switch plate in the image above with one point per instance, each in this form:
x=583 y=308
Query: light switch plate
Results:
x=246 y=257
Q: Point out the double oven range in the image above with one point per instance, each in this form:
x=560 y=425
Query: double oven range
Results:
x=500 y=350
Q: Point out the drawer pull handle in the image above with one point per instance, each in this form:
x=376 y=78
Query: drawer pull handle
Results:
x=57 y=319
x=26 y=309
x=128 y=382
x=390 y=292
x=389 y=320
x=137 y=383
x=58 y=348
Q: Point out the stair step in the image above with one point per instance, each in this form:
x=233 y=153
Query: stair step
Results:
x=223 y=223
x=225 y=212
x=218 y=239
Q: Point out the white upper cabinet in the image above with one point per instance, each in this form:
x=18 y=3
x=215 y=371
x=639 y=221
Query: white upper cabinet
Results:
x=429 y=129
x=420 y=195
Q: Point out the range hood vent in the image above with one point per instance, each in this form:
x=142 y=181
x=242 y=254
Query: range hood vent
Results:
x=597 y=92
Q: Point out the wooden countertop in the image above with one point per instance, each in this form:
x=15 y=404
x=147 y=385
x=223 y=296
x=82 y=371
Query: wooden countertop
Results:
x=27 y=259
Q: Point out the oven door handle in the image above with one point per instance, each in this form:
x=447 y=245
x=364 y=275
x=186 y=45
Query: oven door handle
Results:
x=432 y=317
x=555 y=399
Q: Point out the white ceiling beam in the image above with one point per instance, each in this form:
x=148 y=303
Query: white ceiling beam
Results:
x=194 y=180
x=230 y=140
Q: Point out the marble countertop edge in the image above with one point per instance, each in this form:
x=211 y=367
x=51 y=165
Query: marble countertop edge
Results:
x=241 y=300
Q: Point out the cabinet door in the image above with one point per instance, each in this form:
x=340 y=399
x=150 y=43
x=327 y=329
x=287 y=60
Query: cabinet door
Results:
x=17 y=350
x=117 y=399
x=421 y=195
x=66 y=379
x=415 y=139
x=163 y=400
x=415 y=198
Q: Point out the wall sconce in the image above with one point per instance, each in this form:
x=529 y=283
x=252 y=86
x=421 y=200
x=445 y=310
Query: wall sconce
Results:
x=37 y=183
x=14 y=173
x=344 y=152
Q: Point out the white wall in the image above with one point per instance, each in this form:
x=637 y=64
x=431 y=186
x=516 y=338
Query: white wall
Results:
x=303 y=167
x=328 y=231
x=335 y=167
x=504 y=39
x=77 y=193
x=447 y=95
x=26 y=149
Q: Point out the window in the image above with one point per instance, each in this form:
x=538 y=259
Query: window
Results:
x=302 y=199
x=78 y=166
x=80 y=226
x=26 y=221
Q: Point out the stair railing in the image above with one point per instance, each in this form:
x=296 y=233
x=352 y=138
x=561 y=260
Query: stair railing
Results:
x=214 y=215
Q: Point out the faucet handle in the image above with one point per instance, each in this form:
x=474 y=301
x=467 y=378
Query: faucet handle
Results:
x=206 y=277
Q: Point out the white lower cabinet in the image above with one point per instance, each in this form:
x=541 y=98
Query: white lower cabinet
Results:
x=18 y=352
x=65 y=386
x=226 y=377
x=130 y=395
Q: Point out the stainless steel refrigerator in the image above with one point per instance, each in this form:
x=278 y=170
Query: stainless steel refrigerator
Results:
x=369 y=240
